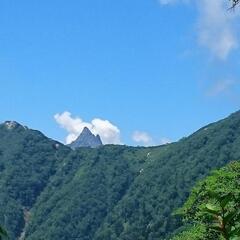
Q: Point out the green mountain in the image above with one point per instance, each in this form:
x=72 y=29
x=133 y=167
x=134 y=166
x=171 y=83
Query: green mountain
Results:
x=27 y=160
x=49 y=191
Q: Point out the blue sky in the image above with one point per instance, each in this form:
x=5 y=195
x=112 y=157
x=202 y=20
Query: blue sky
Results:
x=156 y=70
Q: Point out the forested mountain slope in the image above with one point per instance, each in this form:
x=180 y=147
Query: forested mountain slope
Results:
x=167 y=177
x=27 y=160
x=84 y=191
x=113 y=192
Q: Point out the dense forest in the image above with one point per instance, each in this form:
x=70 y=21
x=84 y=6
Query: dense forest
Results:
x=49 y=191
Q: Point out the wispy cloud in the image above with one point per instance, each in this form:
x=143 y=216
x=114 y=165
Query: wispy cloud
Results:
x=221 y=87
x=110 y=134
x=215 y=26
x=167 y=2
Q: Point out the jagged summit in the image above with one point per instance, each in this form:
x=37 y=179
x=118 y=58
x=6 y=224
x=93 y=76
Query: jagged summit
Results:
x=86 y=131
x=86 y=139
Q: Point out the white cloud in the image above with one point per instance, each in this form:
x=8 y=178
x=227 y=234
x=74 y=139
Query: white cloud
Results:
x=164 y=141
x=142 y=138
x=215 y=24
x=221 y=87
x=109 y=133
x=216 y=30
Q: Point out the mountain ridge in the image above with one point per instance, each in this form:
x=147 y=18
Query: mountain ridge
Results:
x=112 y=192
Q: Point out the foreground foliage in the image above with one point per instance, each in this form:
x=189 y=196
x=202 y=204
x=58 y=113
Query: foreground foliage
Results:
x=234 y=3
x=3 y=233
x=214 y=206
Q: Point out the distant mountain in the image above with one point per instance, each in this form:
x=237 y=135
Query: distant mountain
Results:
x=86 y=139
x=50 y=192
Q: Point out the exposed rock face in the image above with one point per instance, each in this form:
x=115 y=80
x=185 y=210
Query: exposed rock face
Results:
x=86 y=139
x=12 y=125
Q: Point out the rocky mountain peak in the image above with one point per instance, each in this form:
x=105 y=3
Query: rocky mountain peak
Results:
x=86 y=139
